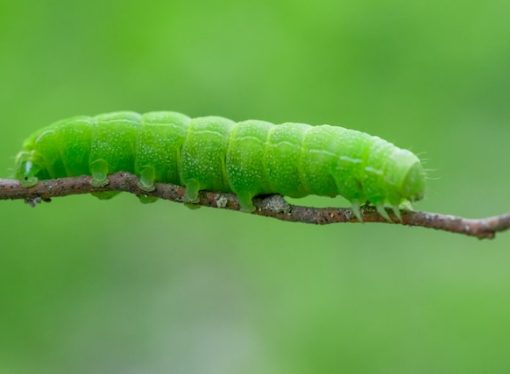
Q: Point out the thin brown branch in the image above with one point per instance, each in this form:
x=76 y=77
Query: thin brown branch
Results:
x=272 y=206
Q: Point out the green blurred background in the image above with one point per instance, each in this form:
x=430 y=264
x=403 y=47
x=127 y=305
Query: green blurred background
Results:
x=89 y=286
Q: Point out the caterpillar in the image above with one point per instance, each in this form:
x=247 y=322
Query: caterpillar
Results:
x=248 y=158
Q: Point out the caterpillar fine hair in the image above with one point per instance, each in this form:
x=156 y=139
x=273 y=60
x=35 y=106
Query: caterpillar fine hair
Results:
x=248 y=158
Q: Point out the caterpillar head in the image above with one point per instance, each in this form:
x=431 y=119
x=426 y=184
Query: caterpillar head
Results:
x=31 y=165
x=27 y=168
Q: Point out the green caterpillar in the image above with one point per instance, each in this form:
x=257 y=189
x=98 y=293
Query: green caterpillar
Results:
x=248 y=158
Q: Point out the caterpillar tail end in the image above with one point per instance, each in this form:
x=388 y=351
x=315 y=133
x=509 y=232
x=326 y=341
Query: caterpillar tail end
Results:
x=406 y=205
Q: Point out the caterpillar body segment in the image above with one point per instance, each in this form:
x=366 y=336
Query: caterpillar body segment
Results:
x=203 y=153
x=248 y=158
x=158 y=150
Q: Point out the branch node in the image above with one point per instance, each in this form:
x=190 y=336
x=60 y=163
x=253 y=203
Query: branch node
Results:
x=33 y=201
x=274 y=203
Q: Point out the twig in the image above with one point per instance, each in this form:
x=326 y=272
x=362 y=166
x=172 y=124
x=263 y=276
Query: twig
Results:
x=271 y=206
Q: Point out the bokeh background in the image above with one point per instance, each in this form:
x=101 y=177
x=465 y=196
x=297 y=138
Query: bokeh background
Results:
x=89 y=286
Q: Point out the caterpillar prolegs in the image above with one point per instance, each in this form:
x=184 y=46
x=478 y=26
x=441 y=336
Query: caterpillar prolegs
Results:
x=248 y=158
